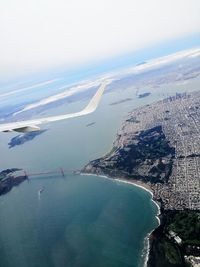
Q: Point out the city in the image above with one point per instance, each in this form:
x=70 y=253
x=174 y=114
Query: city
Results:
x=179 y=117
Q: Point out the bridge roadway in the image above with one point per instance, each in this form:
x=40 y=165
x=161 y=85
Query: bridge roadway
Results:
x=60 y=171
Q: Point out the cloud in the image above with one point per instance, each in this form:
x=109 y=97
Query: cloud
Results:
x=24 y=89
x=44 y=33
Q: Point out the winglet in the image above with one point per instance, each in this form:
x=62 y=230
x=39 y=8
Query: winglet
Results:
x=31 y=125
x=94 y=102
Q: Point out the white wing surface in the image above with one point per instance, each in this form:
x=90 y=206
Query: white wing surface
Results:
x=32 y=125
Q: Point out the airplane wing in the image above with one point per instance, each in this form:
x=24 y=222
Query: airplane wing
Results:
x=32 y=125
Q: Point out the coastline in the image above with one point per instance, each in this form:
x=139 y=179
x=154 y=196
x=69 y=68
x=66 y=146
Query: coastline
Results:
x=146 y=187
x=146 y=249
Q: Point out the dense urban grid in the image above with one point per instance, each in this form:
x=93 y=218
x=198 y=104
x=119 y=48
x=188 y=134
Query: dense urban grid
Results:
x=179 y=117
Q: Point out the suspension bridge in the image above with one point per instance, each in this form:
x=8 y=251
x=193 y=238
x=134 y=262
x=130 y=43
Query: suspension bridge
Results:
x=60 y=171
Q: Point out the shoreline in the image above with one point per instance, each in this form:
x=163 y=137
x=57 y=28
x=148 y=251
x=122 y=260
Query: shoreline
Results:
x=148 y=189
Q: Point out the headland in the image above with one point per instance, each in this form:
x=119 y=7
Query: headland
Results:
x=9 y=178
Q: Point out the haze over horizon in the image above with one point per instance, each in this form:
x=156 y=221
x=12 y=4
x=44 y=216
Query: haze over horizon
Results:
x=36 y=35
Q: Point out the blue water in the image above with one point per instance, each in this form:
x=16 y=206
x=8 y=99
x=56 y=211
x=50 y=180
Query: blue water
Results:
x=77 y=221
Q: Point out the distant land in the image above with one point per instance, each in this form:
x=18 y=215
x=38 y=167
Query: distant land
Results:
x=153 y=73
x=141 y=63
x=159 y=146
x=144 y=95
x=90 y=124
x=120 y=101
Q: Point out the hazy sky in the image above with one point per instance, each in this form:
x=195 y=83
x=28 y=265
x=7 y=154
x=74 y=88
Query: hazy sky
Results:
x=36 y=34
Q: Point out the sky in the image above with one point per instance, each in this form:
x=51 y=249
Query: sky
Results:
x=41 y=34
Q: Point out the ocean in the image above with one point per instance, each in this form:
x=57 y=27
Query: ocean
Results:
x=77 y=221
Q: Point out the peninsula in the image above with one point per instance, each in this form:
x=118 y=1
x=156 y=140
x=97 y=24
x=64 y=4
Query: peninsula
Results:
x=9 y=179
x=159 y=146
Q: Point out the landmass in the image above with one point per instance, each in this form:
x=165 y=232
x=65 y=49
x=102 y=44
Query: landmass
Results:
x=9 y=179
x=23 y=138
x=141 y=63
x=159 y=146
x=120 y=101
x=143 y=75
x=144 y=95
x=176 y=241
x=90 y=124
